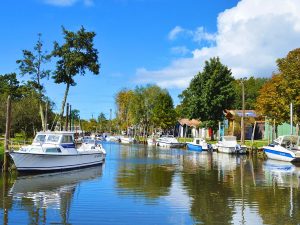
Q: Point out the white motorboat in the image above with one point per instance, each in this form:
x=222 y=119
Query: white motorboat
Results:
x=168 y=141
x=127 y=140
x=199 y=144
x=51 y=151
x=229 y=144
x=285 y=148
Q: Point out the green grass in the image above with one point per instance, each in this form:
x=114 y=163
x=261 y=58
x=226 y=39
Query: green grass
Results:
x=256 y=143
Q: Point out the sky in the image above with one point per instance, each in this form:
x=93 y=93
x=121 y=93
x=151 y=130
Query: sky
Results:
x=163 y=42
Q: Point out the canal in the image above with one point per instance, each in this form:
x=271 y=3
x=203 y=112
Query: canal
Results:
x=140 y=185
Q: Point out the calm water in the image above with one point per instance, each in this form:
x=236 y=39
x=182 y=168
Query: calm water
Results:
x=139 y=185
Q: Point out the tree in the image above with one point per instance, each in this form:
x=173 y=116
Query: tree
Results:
x=283 y=88
x=164 y=115
x=9 y=85
x=102 y=121
x=209 y=93
x=252 y=87
x=75 y=56
x=31 y=64
x=124 y=99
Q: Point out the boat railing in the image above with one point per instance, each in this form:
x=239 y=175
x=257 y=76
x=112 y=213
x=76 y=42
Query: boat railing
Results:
x=13 y=144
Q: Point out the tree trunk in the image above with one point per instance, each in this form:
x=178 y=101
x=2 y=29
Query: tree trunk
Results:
x=64 y=103
x=42 y=116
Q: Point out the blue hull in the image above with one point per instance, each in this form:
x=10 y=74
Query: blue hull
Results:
x=192 y=147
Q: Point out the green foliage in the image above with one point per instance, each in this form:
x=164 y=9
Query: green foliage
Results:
x=283 y=88
x=252 y=87
x=9 y=85
x=147 y=108
x=32 y=62
x=76 y=55
x=209 y=93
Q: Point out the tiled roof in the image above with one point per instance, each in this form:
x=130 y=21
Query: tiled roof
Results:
x=190 y=123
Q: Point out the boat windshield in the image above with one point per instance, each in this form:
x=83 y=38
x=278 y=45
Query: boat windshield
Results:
x=289 y=141
x=53 y=138
x=40 y=138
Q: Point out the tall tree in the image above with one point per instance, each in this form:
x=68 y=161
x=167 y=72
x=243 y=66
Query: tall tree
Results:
x=9 y=85
x=252 y=87
x=75 y=56
x=283 y=89
x=124 y=99
x=209 y=93
x=32 y=64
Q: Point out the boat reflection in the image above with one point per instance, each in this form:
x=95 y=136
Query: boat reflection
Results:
x=54 y=191
x=284 y=174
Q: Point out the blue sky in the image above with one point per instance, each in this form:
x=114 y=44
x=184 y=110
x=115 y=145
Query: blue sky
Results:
x=152 y=41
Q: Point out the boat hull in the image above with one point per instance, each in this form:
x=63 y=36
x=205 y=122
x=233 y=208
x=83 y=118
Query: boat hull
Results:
x=169 y=145
x=282 y=154
x=231 y=150
x=37 y=162
x=194 y=147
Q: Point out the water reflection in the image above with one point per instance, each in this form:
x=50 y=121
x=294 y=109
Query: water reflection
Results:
x=159 y=186
x=38 y=194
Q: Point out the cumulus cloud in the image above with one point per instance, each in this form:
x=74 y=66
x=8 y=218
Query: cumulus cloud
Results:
x=249 y=39
x=65 y=3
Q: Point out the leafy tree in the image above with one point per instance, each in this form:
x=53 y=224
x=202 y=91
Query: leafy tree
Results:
x=123 y=101
x=75 y=56
x=164 y=115
x=31 y=64
x=252 y=87
x=102 y=121
x=283 y=88
x=209 y=93
x=9 y=85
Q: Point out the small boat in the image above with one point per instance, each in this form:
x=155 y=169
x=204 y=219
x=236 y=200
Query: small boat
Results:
x=199 y=144
x=56 y=151
x=127 y=140
x=284 y=148
x=168 y=141
x=228 y=144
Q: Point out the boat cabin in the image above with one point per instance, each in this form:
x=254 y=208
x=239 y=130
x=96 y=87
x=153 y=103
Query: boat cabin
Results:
x=53 y=142
x=287 y=141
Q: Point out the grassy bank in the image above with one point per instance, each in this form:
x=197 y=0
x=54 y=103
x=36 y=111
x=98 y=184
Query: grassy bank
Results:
x=248 y=143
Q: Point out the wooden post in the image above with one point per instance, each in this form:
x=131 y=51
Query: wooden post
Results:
x=67 y=117
x=7 y=133
x=70 y=120
x=46 y=117
x=252 y=138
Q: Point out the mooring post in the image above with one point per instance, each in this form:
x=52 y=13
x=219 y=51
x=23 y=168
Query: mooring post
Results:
x=67 y=117
x=7 y=132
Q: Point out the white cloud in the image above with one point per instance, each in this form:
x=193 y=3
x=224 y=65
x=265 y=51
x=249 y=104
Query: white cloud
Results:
x=249 y=39
x=180 y=50
x=64 y=3
x=175 y=32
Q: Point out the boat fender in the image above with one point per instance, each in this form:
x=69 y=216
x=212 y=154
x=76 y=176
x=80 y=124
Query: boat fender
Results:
x=238 y=147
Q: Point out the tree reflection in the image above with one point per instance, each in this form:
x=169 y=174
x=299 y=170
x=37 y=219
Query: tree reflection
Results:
x=151 y=181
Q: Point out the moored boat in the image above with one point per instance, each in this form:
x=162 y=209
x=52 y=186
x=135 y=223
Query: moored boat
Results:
x=284 y=148
x=168 y=141
x=229 y=144
x=52 y=151
x=199 y=144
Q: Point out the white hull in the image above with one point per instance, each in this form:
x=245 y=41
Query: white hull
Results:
x=125 y=140
x=280 y=153
x=231 y=150
x=169 y=145
x=50 y=162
